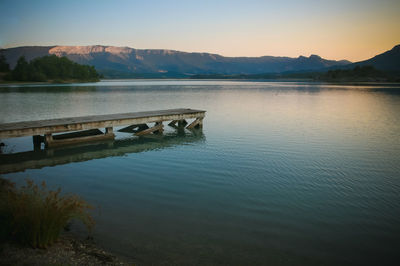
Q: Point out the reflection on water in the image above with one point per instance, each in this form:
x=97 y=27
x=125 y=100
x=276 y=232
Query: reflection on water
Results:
x=36 y=159
x=289 y=173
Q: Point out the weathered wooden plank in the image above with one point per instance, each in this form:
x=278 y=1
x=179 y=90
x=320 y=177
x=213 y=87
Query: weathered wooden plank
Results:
x=128 y=129
x=43 y=127
x=157 y=127
x=196 y=123
x=85 y=133
x=68 y=141
x=173 y=123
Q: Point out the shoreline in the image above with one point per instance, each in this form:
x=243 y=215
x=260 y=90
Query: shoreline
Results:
x=15 y=82
x=68 y=250
x=4 y=83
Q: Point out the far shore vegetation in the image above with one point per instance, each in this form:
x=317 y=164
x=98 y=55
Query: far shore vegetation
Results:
x=365 y=73
x=356 y=74
x=62 y=70
x=47 y=69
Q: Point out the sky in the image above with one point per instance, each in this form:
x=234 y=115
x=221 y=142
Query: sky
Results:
x=342 y=29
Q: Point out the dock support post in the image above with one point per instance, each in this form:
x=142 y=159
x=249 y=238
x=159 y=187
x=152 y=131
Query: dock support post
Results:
x=161 y=128
x=48 y=137
x=182 y=123
x=109 y=130
x=37 y=141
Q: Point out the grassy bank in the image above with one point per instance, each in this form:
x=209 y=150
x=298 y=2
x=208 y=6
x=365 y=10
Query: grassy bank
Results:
x=33 y=223
x=36 y=216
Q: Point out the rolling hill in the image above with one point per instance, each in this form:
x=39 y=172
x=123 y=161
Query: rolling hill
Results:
x=387 y=61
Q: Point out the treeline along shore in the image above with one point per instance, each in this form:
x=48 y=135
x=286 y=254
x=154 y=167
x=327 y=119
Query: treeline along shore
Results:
x=52 y=68
x=356 y=74
x=48 y=69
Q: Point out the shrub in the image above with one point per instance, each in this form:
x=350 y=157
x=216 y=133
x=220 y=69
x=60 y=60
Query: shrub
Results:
x=36 y=216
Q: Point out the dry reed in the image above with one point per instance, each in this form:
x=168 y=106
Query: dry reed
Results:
x=36 y=216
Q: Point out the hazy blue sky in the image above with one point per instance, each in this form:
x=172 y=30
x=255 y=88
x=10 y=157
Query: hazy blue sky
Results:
x=341 y=29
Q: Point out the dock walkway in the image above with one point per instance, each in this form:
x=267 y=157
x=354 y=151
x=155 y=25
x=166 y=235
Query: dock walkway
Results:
x=87 y=128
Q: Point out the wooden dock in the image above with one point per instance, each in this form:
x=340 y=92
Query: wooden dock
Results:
x=87 y=128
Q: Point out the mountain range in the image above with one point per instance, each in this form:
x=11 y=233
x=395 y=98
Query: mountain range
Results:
x=387 y=61
x=114 y=61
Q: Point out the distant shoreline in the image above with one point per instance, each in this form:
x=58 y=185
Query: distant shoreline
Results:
x=5 y=84
x=15 y=82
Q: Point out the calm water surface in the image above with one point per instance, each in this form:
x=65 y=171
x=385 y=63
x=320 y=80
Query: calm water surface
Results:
x=281 y=174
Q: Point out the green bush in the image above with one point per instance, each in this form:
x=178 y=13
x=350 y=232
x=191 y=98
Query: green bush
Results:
x=36 y=216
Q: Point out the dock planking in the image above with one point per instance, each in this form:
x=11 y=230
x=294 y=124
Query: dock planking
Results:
x=87 y=123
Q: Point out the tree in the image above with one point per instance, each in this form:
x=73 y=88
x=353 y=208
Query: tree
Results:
x=21 y=70
x=53 y=68
x=4 y=66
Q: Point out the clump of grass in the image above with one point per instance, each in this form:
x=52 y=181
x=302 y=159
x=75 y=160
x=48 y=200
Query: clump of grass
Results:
x=36 y=216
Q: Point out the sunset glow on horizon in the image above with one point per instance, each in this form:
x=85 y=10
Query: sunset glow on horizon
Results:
x=354 y=30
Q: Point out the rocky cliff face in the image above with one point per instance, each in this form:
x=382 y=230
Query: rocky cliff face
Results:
x=89 y=50
x=129 y=60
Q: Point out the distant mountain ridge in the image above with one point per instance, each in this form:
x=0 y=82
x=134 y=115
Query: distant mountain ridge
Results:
x=387 y=61
x=112 y=59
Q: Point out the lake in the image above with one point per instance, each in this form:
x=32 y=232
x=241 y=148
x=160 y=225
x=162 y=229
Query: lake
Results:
x=283 y=173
